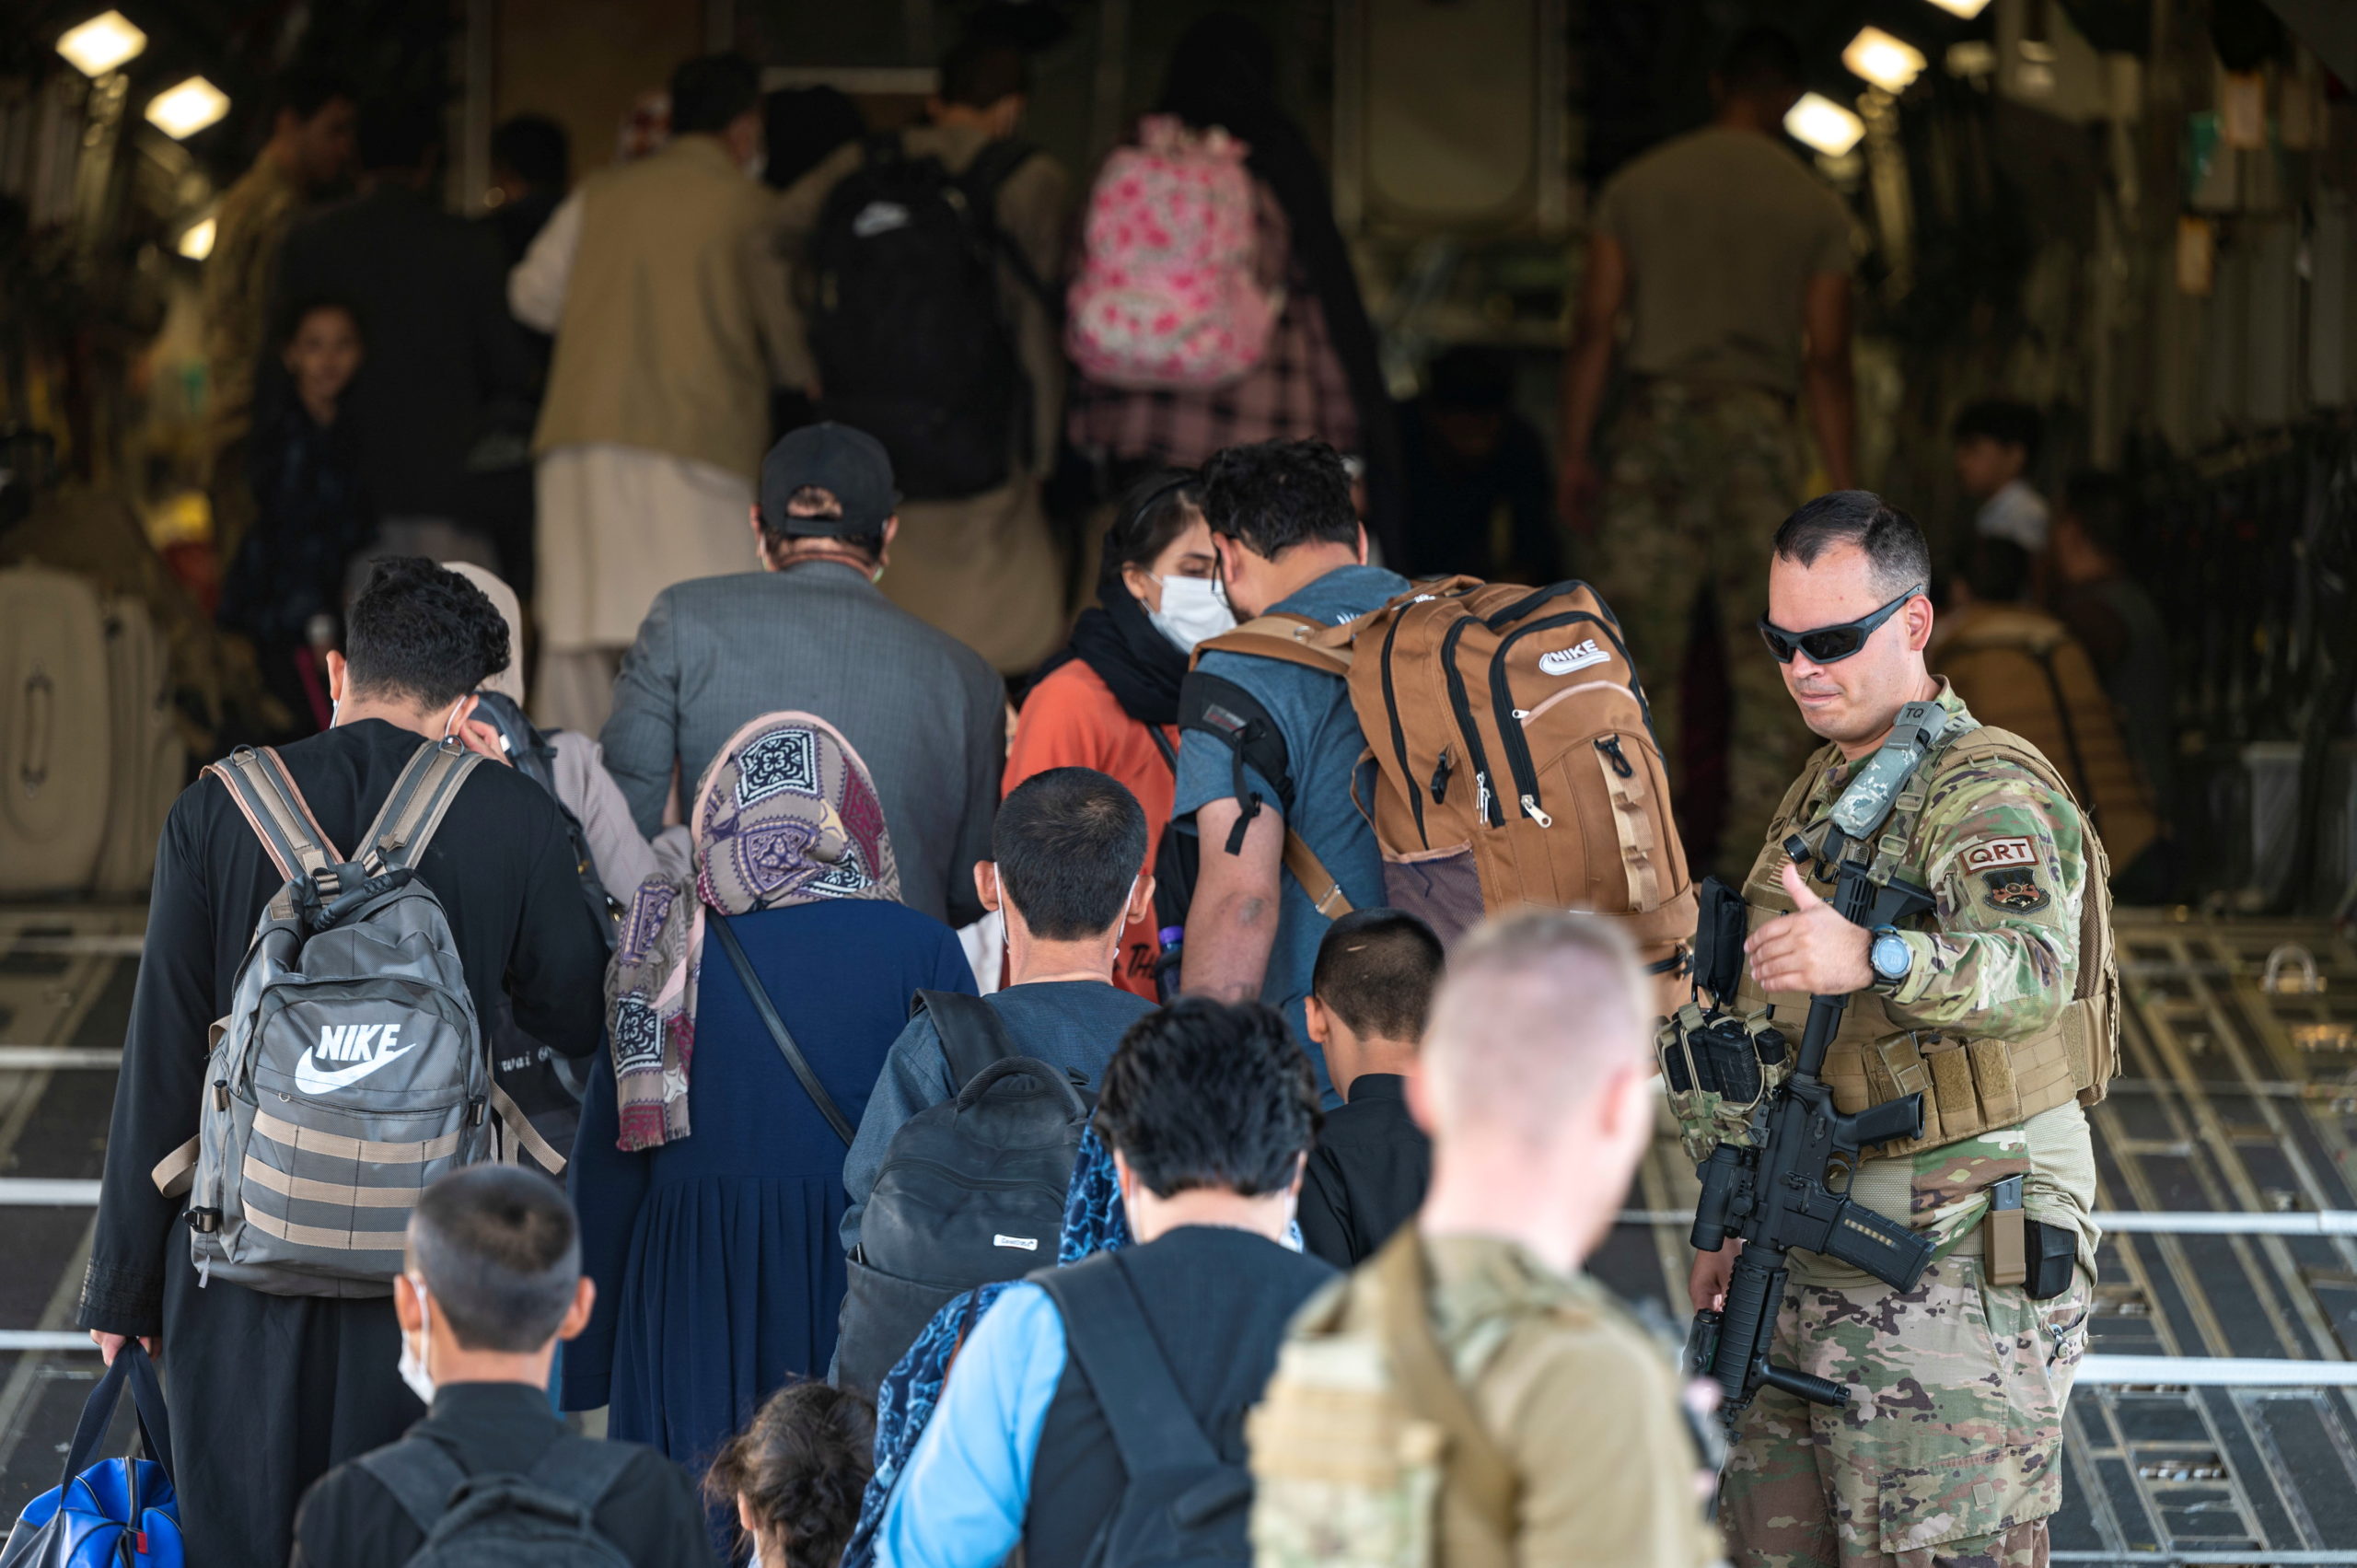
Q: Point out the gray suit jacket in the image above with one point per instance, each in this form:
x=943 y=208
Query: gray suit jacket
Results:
x=923 y=710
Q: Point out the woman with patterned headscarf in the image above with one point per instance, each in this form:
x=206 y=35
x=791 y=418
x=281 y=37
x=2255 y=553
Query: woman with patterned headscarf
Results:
x=708 y=1176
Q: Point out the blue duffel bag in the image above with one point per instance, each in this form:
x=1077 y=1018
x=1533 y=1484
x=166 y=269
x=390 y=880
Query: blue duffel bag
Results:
x=117 y=1513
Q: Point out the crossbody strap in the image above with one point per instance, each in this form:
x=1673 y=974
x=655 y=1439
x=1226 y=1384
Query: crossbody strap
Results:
x=1107 y=1332
x=583 y=1468
x=766 y=1010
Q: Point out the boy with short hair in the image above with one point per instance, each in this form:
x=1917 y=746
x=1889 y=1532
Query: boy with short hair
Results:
x=1377 y=970
x=490 y=1282
x=1997 y=441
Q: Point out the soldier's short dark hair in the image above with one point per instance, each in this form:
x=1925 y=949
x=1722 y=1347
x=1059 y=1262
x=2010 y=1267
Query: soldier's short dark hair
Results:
x=1068 y=843
x=501 y=1253
x=1210 y=1094
x=2005 y=422
x=422 y=633
x=1275 y=495
x=712 y=91
x=1376 y=968
x=1895 y=549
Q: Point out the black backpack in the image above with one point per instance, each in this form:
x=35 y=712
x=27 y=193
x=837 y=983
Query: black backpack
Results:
x=899 y=287
x=545 y=1086
x=1183 y=1506
x=972 y=1189
x=543 y=1519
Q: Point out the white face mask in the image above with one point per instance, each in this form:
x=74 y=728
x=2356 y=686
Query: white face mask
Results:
x=414 y=1373
x=1193 y=609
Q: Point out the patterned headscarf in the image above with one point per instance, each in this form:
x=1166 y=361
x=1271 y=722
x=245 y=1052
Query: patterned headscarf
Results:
x=785 y=814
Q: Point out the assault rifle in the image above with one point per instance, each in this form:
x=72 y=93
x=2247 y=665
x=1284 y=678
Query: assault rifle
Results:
x=1782 y=1191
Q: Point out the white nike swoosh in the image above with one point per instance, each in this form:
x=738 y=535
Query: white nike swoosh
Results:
x=311 y=1080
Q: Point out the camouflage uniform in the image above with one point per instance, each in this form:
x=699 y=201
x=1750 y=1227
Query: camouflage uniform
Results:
x=255 y=215
x=1700 y=477
x=1580 y=1402
x=1950 y=1449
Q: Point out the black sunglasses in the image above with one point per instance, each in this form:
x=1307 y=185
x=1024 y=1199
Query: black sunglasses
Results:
x=1829 y=644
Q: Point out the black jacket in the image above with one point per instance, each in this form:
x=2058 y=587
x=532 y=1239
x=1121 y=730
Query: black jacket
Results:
x=442 y=351
x=351 y=1521
x=1367 y=1173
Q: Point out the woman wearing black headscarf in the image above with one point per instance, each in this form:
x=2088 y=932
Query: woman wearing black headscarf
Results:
x=1223 y=74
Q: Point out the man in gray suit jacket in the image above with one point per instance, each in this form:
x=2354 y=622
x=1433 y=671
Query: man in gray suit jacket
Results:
x=810 y=631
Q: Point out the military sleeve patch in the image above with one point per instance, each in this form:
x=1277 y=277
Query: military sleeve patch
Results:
x=2015 y=892
x=1991 y=854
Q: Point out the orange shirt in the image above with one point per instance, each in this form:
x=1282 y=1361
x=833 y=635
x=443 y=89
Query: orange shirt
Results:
x=1071 y=720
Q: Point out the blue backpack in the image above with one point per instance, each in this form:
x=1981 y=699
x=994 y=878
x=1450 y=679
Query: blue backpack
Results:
x=116 y=1511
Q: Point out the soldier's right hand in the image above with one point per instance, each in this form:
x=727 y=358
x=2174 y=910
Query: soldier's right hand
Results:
x=1707 y=1286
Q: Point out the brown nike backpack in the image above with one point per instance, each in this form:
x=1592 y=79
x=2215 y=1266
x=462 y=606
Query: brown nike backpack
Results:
x=1514 y=757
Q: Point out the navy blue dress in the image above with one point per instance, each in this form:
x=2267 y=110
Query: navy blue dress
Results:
x=718 y=1270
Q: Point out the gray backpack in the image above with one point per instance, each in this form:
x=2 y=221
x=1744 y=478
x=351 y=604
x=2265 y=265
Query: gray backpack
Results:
x=544 y=1519
x=350 y=1072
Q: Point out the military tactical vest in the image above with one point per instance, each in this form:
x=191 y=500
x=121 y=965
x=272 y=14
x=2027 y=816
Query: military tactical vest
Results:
x=1971 y=1084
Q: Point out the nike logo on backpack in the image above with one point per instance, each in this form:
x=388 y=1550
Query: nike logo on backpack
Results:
x=347 y=1043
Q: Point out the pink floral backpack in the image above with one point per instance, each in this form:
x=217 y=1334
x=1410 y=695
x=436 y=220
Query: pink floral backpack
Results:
x=1166 y=295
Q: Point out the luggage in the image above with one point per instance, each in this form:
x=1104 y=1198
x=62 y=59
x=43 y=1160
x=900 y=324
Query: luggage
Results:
x=2019 y=669
x=57 y=745
x=116 y=1511
x=149 y=760
x=900 y=289
x=972 y=1189
x=350 y=1073
x=1184 y=1506
x=543 y=1519
x=1166 y=297
x=1514 y=758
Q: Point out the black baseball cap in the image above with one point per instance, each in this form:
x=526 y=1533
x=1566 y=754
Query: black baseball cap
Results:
x=851 y=465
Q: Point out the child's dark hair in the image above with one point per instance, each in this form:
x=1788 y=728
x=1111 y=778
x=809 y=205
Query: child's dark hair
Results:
x=802 y=1466
x=309 y=308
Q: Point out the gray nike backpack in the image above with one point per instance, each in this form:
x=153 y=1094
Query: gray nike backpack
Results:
x=350 y=1072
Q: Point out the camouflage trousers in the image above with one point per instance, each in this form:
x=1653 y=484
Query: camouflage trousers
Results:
x=1698 y=480
x=1949 y=1452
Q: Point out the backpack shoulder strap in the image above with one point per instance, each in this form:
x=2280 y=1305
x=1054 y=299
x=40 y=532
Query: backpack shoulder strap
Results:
x=972 y=1035
x=421 y=1475
x=1432 y=1390
x=266 y=794
x=421 y=797
x=1288 y=638
x=1107 y=1332
x=583 y=1470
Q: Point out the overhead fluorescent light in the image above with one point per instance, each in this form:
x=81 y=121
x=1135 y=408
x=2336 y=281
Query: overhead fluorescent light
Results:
x=104 y=42
x=1818 y=122
x=1888 y=63
x=1968 y=9
x=196 y=244
x=181 y=113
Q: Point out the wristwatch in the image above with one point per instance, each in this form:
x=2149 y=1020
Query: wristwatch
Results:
x=1889 y=956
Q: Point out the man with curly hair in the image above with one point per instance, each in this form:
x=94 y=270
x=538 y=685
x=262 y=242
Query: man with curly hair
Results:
x=268 y=1391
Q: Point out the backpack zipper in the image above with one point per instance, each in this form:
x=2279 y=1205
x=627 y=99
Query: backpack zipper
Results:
x=1461 y=706
x=1399 y=739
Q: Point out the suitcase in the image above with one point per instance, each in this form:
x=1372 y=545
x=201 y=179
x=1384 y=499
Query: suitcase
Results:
x=57 y=745
x=150 y=762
